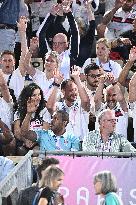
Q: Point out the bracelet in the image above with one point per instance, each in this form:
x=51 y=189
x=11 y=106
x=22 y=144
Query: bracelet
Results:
x=56 y=84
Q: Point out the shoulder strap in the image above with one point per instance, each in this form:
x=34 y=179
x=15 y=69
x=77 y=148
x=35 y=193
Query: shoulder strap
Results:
x=37 y=197
x=9 y=79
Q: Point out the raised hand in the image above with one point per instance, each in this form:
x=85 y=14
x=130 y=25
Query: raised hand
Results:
x=55 y=10
x=22 y=24
x=2 y=80
x=75 y=73
x=132 y=54
x=87 y=4
x=66 y=5
x=34 y=44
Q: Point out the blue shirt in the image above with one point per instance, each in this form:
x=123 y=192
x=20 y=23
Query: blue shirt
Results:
x=112 y=199
x=48 y=141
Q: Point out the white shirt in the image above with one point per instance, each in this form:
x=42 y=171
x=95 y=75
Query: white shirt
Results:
x=65 y=64
x=41 y=80
x=120 y=24
x=17 y=82
x=91 y=94
x=78 y=118
x=6 y=165
x=6 y=112
x=45 y=84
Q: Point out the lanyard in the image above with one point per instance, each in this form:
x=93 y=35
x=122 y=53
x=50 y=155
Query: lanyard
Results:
x=110 y=67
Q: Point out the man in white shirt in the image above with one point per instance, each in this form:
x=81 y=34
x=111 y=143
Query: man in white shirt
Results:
x=114 y=101
x=78 y=108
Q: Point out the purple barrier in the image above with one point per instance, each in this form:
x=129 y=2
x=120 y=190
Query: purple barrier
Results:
x=78 y=183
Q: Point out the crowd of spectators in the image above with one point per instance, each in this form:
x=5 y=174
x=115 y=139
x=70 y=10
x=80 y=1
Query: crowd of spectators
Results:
x=67 y=77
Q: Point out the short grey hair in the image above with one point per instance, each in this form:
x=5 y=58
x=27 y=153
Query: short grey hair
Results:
x=102 y=113
x=108 y=181
x=50 y=174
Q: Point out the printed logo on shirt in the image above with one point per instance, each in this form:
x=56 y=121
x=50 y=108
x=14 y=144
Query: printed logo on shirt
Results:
x=36 y=124
x=118 y=113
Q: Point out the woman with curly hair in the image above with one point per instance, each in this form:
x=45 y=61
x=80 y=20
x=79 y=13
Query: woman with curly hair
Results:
x=32 y=113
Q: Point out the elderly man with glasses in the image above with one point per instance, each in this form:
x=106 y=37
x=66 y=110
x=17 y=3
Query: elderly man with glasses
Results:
x=106 y=139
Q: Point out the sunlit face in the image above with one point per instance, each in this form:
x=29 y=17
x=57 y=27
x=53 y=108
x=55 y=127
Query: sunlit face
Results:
x=8 y=63
x=98 y=187
x=56 y=183
x=36 y=96
x=111 y=98
x=93 y=78
x=60 y=43
x=108 y=121
x=127 y=6
x=57 y=123
x=102 y=50
x=71 y=92
x=50 y=64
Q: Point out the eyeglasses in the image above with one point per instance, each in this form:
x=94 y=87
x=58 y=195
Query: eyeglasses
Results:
x=58 y=43
x=94 y=76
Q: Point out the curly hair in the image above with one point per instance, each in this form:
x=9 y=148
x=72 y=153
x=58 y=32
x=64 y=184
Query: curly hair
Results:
x=27 y=93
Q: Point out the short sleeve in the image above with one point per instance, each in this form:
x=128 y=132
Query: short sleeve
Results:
x=46 y=193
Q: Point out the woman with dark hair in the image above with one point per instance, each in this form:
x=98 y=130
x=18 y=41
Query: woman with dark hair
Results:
x=105 y=185
x=32 y=113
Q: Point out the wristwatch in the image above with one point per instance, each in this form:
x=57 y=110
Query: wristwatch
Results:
x=56 y=84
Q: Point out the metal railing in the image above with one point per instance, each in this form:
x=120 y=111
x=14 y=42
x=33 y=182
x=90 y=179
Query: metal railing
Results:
x=20 y=176
x=83 y=153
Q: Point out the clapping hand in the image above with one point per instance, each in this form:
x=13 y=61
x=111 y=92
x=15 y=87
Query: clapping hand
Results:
x=58 y=77
x=107 y=77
